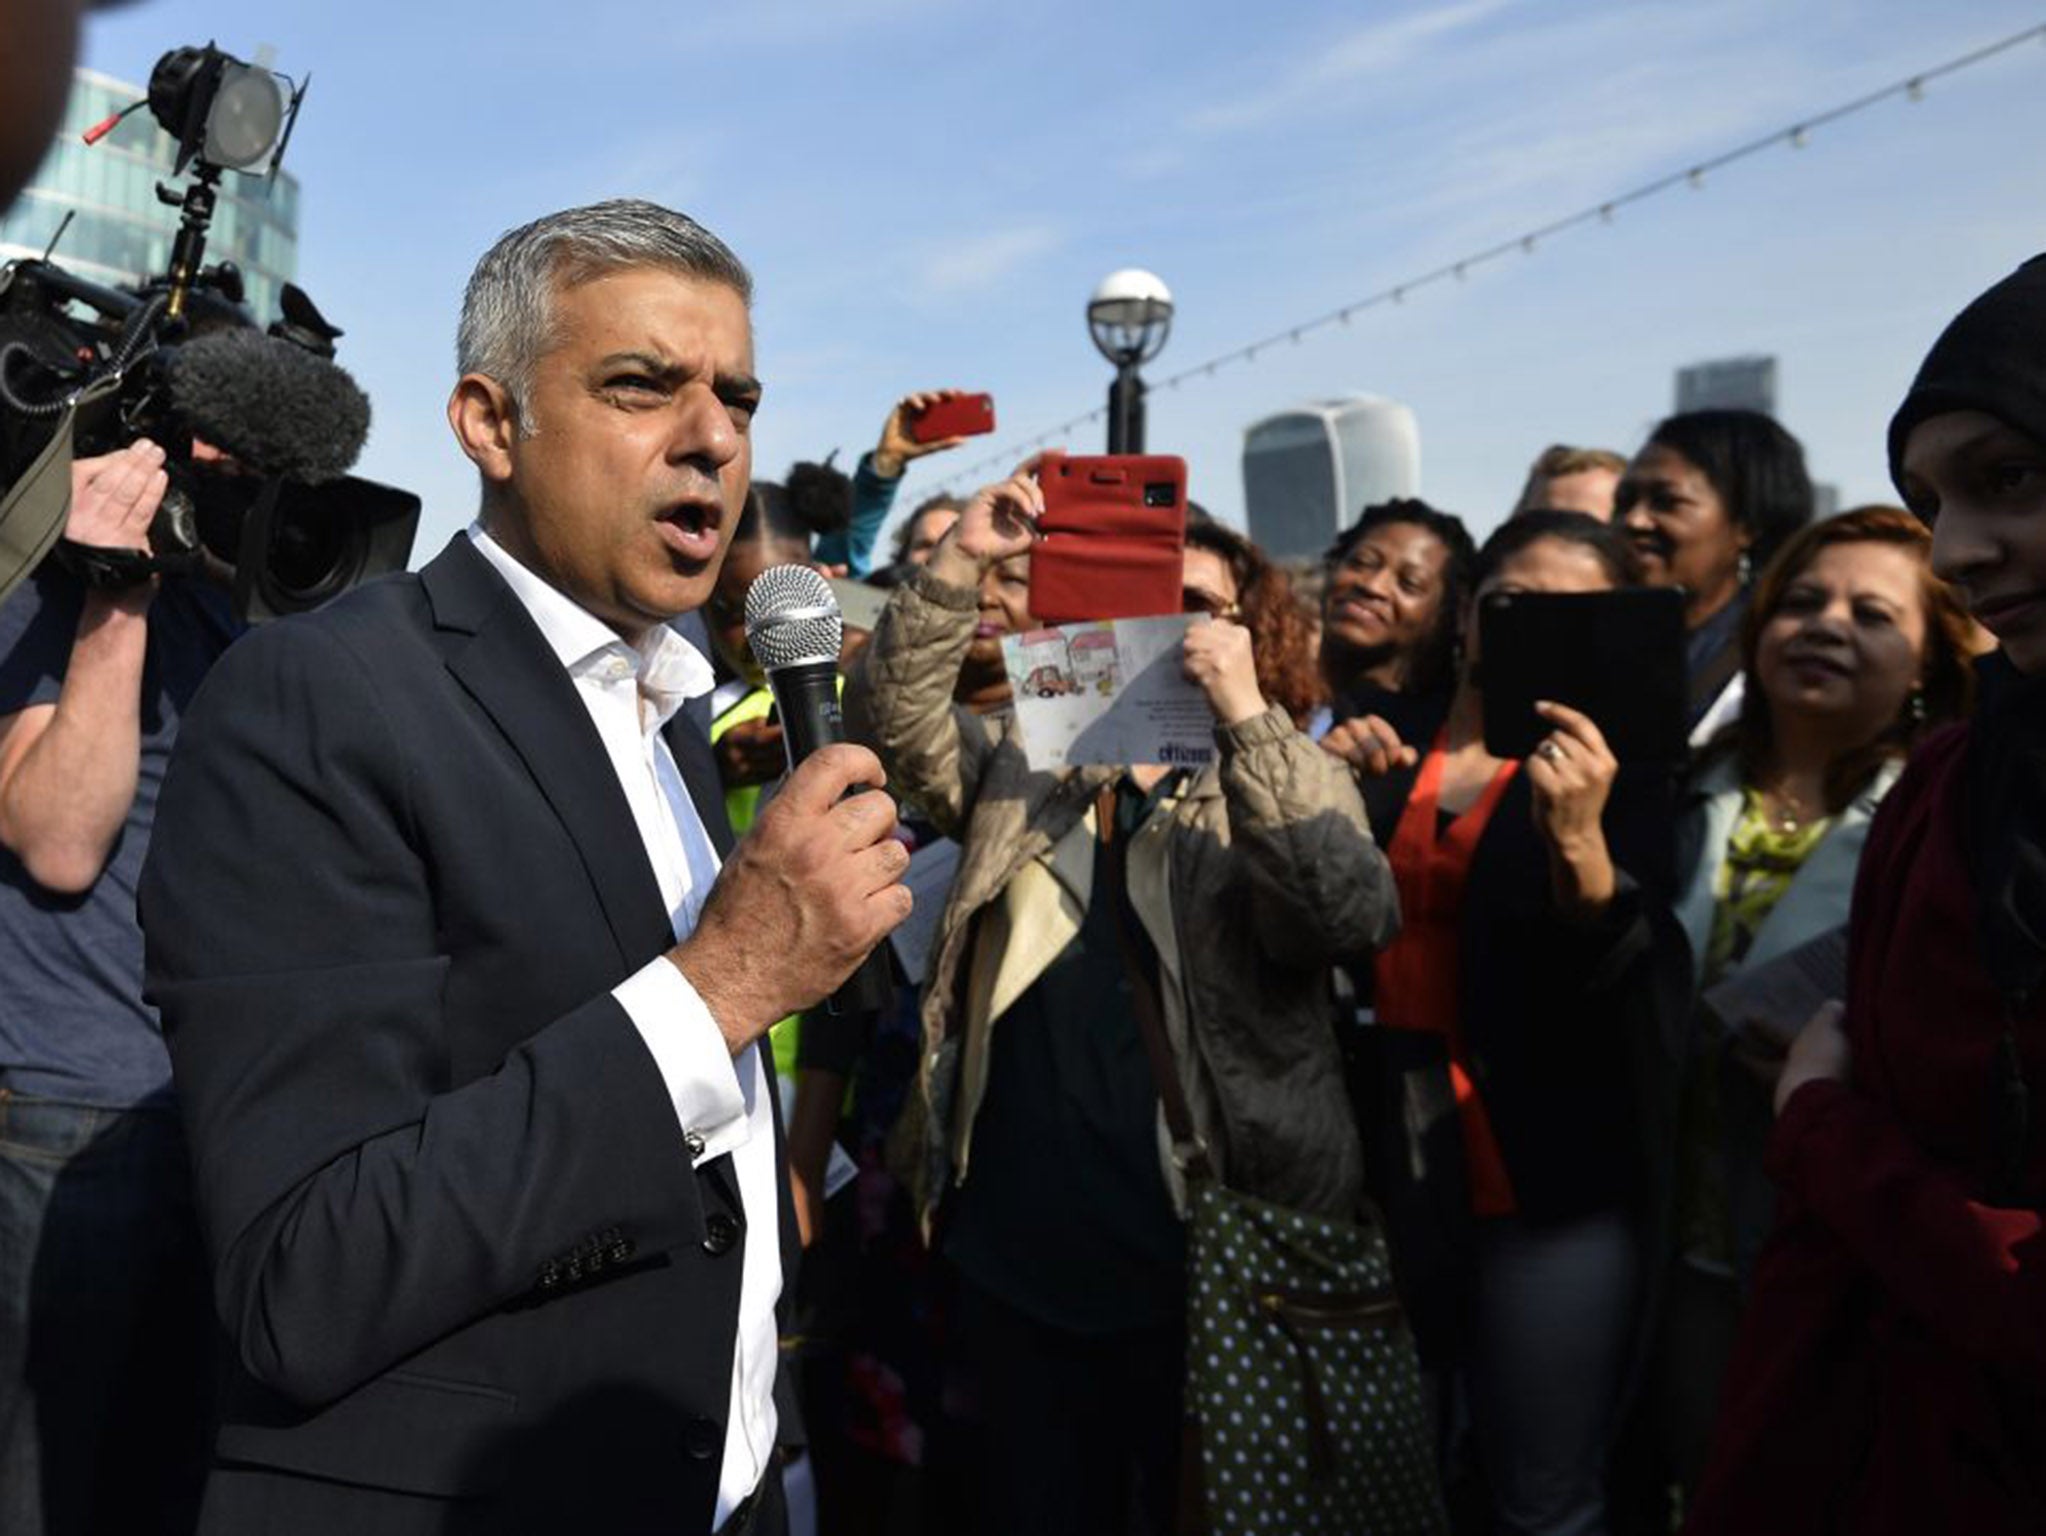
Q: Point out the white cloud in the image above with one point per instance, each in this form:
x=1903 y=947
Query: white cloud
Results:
x=980 y=261
x=1371 y=50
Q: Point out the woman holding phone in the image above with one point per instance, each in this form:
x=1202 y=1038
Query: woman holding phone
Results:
x=1501 y=1099
x=1052 y=1194
x=1890 y=1374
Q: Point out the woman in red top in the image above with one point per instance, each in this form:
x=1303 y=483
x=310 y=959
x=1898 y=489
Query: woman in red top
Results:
x=1499 y=1109
x=1891 y=1372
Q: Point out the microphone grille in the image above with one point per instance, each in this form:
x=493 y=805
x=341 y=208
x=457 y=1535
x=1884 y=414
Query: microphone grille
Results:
x=792 y=618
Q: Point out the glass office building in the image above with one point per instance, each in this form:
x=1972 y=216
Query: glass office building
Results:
x=120 y=233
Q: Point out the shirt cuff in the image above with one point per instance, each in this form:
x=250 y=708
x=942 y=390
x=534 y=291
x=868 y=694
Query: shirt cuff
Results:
x=698 y=1068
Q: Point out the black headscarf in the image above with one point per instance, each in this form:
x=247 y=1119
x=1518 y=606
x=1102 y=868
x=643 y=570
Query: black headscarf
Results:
x=1992 y=358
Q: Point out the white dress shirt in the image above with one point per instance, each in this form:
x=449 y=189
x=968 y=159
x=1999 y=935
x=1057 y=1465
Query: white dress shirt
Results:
x=720 y=1100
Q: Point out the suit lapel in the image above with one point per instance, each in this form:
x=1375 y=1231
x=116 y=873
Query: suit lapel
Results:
x=496 y=652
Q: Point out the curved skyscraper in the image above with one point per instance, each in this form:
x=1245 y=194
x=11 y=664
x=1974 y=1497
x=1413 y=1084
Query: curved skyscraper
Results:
x=1309 y=470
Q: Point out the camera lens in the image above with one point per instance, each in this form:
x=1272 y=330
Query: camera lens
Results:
x=311 y=558
x=1161 y=493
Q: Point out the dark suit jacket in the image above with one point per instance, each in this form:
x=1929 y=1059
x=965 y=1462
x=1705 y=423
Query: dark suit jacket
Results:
x=459 y=1249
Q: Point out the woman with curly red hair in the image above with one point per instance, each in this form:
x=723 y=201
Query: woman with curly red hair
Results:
x=1282 y=640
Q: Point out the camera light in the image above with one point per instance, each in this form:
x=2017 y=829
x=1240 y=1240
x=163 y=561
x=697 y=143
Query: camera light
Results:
x=246 y=117
x=230 y=115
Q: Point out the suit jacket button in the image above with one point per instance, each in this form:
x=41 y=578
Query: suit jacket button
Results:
x=720 y=1232
x=702 y=1439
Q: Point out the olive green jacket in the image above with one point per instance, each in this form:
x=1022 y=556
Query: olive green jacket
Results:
x=1250 y=882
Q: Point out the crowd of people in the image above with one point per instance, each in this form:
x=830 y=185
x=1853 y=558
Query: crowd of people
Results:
x=478 y=1065
x=1479 y=1002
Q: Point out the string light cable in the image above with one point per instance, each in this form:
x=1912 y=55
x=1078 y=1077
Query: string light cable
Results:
x=1795 y=136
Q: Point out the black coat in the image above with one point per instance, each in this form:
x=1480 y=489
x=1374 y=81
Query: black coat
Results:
x=1553 y=1011
x=458 y=1245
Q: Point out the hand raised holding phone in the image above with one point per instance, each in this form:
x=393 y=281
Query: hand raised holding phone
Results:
x=1571 y=773
x=929 y=421
x=1000 y=521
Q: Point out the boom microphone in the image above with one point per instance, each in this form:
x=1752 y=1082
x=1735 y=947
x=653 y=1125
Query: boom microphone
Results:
x=795 y=629
x=274 y=406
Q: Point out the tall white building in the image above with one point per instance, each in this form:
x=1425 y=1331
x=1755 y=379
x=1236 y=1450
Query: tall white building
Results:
x=1308 y=471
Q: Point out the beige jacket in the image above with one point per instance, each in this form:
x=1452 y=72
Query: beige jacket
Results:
x=1250 y=883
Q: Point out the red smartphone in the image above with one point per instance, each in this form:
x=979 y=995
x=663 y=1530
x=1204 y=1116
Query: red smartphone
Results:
x=1114 y=544
x=961 y=416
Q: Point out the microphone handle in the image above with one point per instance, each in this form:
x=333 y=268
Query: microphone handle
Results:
x=806 y=695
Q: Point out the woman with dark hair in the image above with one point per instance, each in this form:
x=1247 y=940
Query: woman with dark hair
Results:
x=1707 y=501
x=1395 y=584
x=1498 y=1108
x=1852 y=651
x=1890 y=1374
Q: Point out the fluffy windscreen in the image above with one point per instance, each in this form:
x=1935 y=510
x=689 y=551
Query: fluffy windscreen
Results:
x=274 y=406
x=792 y=618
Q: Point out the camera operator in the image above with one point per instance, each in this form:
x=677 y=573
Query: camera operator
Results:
x=104 y=1318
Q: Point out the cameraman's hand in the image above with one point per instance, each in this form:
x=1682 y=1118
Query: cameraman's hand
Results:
x=1000 y=521
x=814 y=886
x=896 y=448
x=1571 y=773
x=751 y=752
x=1216 y=658
x=114 y=497
x=1370 y=746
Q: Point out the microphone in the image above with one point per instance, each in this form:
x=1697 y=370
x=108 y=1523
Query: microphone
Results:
x=795 y=630
x=276 y=407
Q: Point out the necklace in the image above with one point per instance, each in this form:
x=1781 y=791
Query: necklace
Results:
x=1784 y=811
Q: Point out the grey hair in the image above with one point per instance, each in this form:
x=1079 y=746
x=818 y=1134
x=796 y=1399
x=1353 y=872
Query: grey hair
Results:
x=508 y=307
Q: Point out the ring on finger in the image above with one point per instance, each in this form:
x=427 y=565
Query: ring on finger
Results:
x=1550 y=750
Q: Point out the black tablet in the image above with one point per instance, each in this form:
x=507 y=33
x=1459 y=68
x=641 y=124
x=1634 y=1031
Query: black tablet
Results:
x=1617 y=656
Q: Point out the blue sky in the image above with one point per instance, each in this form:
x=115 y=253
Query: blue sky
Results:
x=927 y=191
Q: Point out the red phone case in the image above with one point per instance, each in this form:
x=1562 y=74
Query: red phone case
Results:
x=1106 y=552
x=962 y=416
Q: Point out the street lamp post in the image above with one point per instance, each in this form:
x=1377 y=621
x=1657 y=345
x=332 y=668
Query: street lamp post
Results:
x=1129 y=317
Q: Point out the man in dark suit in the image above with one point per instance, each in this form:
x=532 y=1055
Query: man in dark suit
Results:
x=464 y=980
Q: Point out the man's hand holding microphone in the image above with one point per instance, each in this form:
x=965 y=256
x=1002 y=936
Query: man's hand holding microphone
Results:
x=810 y=890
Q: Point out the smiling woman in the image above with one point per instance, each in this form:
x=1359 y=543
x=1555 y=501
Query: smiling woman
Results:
x=1707 y=501
x=1396 y=580
x=1852 y=651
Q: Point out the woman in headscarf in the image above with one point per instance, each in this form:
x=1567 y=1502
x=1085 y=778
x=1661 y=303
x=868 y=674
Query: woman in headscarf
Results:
x=1891 y=1372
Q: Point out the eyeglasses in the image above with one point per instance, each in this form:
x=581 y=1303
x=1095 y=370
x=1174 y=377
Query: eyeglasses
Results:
x=1194 y=600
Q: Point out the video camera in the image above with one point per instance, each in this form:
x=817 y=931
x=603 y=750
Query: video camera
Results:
x=86 y=369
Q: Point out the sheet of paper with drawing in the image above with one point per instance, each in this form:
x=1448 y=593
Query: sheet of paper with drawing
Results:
x=1109 y=692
